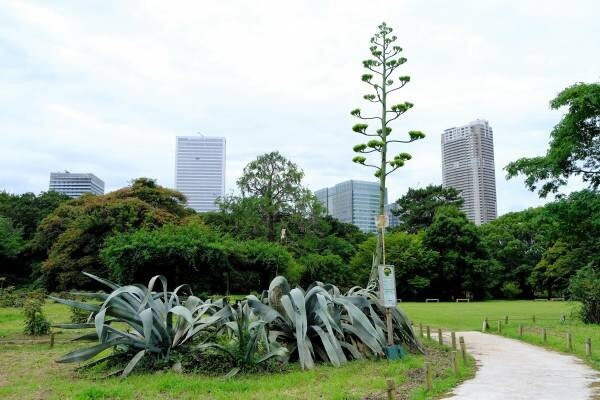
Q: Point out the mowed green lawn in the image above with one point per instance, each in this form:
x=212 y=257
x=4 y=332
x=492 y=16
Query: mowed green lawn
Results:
x=470 y=316
x=28 y=371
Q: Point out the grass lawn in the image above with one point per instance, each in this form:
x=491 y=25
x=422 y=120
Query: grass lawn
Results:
x=469 y=316
x=28 y=371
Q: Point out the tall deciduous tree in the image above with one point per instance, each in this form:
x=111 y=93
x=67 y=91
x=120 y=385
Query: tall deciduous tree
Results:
x=276 y=183
x=386 y=59
x=574 y=144
x=417 y=207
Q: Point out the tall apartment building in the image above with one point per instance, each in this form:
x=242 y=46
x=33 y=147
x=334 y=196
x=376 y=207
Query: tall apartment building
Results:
x=200 y=170
x=75 y=184
x=468 y=166
x=355 y=202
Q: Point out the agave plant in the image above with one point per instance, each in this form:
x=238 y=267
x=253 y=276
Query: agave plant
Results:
x=156 y=322
x=250 y=345
x=321 y=323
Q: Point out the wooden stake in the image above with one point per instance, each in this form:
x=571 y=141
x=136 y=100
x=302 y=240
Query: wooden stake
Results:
x=533 y=318
x=440 y=337
x=390 y=331
x=428 y=376
x=486 y=325
x=506 y=320
x=463 y=349
x=499 y=326
x=428 y=332
x=52 y=340
x=588 y=347
x=569 y=341
x=453 y=338
x=421 y=329
x=390 y=388
x=454 y=359
x=520 y=330
x=544 y=335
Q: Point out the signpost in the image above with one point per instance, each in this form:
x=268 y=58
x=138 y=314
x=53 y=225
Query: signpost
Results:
x=387 y=296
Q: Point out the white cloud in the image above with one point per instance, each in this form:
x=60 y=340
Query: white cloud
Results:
x=106 y=88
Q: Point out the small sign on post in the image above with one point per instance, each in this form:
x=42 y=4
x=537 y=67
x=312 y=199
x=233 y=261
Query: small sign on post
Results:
x=387 y=285
x=387 y=297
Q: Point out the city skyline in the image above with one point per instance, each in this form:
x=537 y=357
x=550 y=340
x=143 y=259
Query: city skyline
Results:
x=85 y=97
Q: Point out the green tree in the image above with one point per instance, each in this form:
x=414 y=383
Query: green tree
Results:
x=414 y=263
x=72 y=235
x=584 y=286
x=417 y=207
x=574 y=144
x=12 y=246
x=516 y=241
x=462 y=266
x=386 y=59
x=27 y=210
x=275 y=183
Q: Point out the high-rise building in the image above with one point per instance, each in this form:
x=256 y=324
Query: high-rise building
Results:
x=355 y=202
x=200 y=170
x=468 y=166
x=75 y=184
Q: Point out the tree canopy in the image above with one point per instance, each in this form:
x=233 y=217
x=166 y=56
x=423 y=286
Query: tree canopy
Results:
x=418 y=206
x=574 y=144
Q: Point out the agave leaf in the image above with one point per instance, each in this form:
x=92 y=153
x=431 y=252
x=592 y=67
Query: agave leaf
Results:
x=74 y=326
x=232 y=373
x=99 y=322
x=87 y=353
x=147 y=322
x=76 y=304
x=87 y=336
x=265 y=312
x=328 y=345
x=132 y=363
x=352 y=349
x=106 y=282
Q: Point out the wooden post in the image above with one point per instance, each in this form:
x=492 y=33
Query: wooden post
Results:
x=454 y=359
x=569 y=342
x=52 y=340
x=533 y=318
x=428 y=332
x=520 y=330
x=486 y=325
x=421 y=329
x=463 y=349
x=440 y=337
x=390 y=329
x=588 y=347
x=506 y=320
x=544 y=335
x=428 y=375
x=499 y=325
x=390 y=388
x=453 y=338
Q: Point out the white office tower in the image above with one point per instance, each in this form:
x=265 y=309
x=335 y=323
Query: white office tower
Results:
x=75 y=184
x=468 y=166
x=200 y=170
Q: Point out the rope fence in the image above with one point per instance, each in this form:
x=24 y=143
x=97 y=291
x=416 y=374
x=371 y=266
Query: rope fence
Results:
x=542 y=332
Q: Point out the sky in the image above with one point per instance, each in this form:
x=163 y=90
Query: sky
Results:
x=106 y=86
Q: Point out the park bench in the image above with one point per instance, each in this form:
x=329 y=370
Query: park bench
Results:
x=432 y=300
x=463 y=300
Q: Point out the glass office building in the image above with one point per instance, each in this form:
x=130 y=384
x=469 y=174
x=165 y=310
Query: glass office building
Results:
x=75 y=184
x=200 y=170
x=355 y=202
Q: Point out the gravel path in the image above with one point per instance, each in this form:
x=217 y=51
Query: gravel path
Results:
x=511 y=369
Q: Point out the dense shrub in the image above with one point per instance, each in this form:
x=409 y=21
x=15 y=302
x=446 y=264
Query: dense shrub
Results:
x=585 y=287
x=35 y=321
